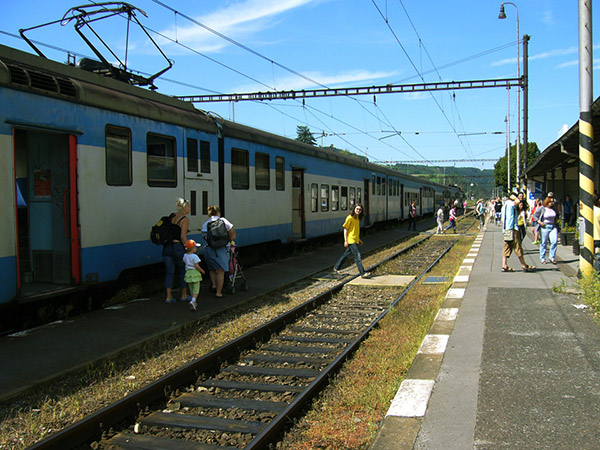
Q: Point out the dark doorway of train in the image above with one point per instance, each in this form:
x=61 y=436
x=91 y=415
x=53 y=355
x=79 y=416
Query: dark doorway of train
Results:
x=298 y=217
x=44 y=175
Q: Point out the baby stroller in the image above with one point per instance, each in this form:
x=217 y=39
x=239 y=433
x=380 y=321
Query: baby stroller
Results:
x=235 y=276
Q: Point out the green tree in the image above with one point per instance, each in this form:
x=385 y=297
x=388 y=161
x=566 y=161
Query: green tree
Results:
x=501 y=167
x=305 y=135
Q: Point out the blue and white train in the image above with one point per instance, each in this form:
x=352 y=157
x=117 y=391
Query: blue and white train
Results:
x=89 y=163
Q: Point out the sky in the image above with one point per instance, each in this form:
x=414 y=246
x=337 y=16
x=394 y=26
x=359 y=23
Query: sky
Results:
x=237 y=46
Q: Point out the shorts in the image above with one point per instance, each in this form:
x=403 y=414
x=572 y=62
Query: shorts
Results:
x=515 y=245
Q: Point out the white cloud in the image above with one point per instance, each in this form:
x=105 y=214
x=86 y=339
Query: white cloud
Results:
x=353 y=78
x=239 y=19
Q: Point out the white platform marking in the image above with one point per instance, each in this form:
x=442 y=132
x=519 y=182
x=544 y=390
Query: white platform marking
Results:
x=468 y=261
x=461 y=278
x=446 y=314
x=455 y=293
x=411 y=399
x=434 y=344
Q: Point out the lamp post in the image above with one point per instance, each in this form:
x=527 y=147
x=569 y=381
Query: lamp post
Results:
x=502 y=15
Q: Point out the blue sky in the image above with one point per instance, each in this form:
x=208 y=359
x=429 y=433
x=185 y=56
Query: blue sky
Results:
x=348 y=43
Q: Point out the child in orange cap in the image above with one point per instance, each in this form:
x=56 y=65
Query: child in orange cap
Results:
x=193 y=271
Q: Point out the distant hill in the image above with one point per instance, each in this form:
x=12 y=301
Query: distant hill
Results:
x=482 y=180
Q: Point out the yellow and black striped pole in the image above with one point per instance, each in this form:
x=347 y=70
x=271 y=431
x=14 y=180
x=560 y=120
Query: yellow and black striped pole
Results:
x=586 y=137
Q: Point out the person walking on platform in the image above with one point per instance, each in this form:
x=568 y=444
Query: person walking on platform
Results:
x=452 y=220
x=193 y=271
x=217 y=232
x=567 y=211
x=440 y=220
x=480 y=210
x=547 y=217
x=173 y=251
x=352 y=241
x=412 y=216
x=511 y=236
x=497 y=211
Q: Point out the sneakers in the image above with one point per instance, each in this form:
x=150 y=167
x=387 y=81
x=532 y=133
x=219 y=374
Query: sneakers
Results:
x=337 y=271
x=170 y=300
x=186 y=299
x=193 y=305
x=366 y=275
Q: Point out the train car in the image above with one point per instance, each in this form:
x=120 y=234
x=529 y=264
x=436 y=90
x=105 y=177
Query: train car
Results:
x=91 y=163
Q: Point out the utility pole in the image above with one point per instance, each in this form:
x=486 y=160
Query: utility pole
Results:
x=586 y=136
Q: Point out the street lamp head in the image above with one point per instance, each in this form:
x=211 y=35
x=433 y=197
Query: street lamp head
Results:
x=502 y=15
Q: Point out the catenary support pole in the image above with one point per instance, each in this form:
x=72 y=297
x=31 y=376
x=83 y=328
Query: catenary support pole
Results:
x=525 y=88
x=586 y=136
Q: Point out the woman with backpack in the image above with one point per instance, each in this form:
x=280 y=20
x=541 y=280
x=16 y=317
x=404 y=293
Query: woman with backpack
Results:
x=217 y=232
x=173 y=250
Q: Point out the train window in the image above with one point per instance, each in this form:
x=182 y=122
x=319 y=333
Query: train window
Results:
x=378 y=185
x=118 y=156
x=314 y=197
x=240 y=169
x=352 y=196
x=280 y=173
x=324 y=197
x=262 y=172
x=192 y=155
x=204 y=157
x=161 y=160
x=374 y=184
x=335 y=198
x=358 y=196
x=344 y=198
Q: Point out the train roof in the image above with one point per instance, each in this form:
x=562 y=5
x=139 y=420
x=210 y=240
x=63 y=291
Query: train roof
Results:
x=33 y=73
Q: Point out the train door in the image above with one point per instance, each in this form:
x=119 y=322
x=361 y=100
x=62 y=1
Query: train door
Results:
x=401 y=201
x=386 y=192
x=366 y=202
x=47 y=231
x=298 y=217
x=199 y=182
x=420 y=201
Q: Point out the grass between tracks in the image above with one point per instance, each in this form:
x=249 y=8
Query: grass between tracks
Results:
x=348 y=414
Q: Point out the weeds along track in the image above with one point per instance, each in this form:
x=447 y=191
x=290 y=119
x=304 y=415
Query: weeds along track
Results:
x=244 y=394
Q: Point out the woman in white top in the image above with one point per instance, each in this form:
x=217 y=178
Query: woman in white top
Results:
x=217 y=257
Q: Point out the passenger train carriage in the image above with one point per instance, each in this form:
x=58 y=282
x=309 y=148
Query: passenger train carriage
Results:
x=90 y=163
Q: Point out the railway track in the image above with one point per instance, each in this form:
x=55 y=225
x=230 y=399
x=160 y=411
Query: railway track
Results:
x=244 y=394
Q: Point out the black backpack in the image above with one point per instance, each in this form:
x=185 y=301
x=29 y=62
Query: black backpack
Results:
x=217 y=234
x=162 y=232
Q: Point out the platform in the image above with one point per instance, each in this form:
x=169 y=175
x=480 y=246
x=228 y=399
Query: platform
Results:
x=511 y=361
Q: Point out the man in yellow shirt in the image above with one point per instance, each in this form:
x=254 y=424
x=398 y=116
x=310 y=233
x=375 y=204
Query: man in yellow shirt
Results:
x=352 y=240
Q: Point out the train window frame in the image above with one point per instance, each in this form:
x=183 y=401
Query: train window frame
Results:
x=351 y=196
x=344 y=198
x=204 y=156
x=280 y=173
x=314 y=197
x=161 y=150
x=114 y=173
x=192 y=154
x=335 y=198
x=262 y=171
x=324 y=197
x=240 y=169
